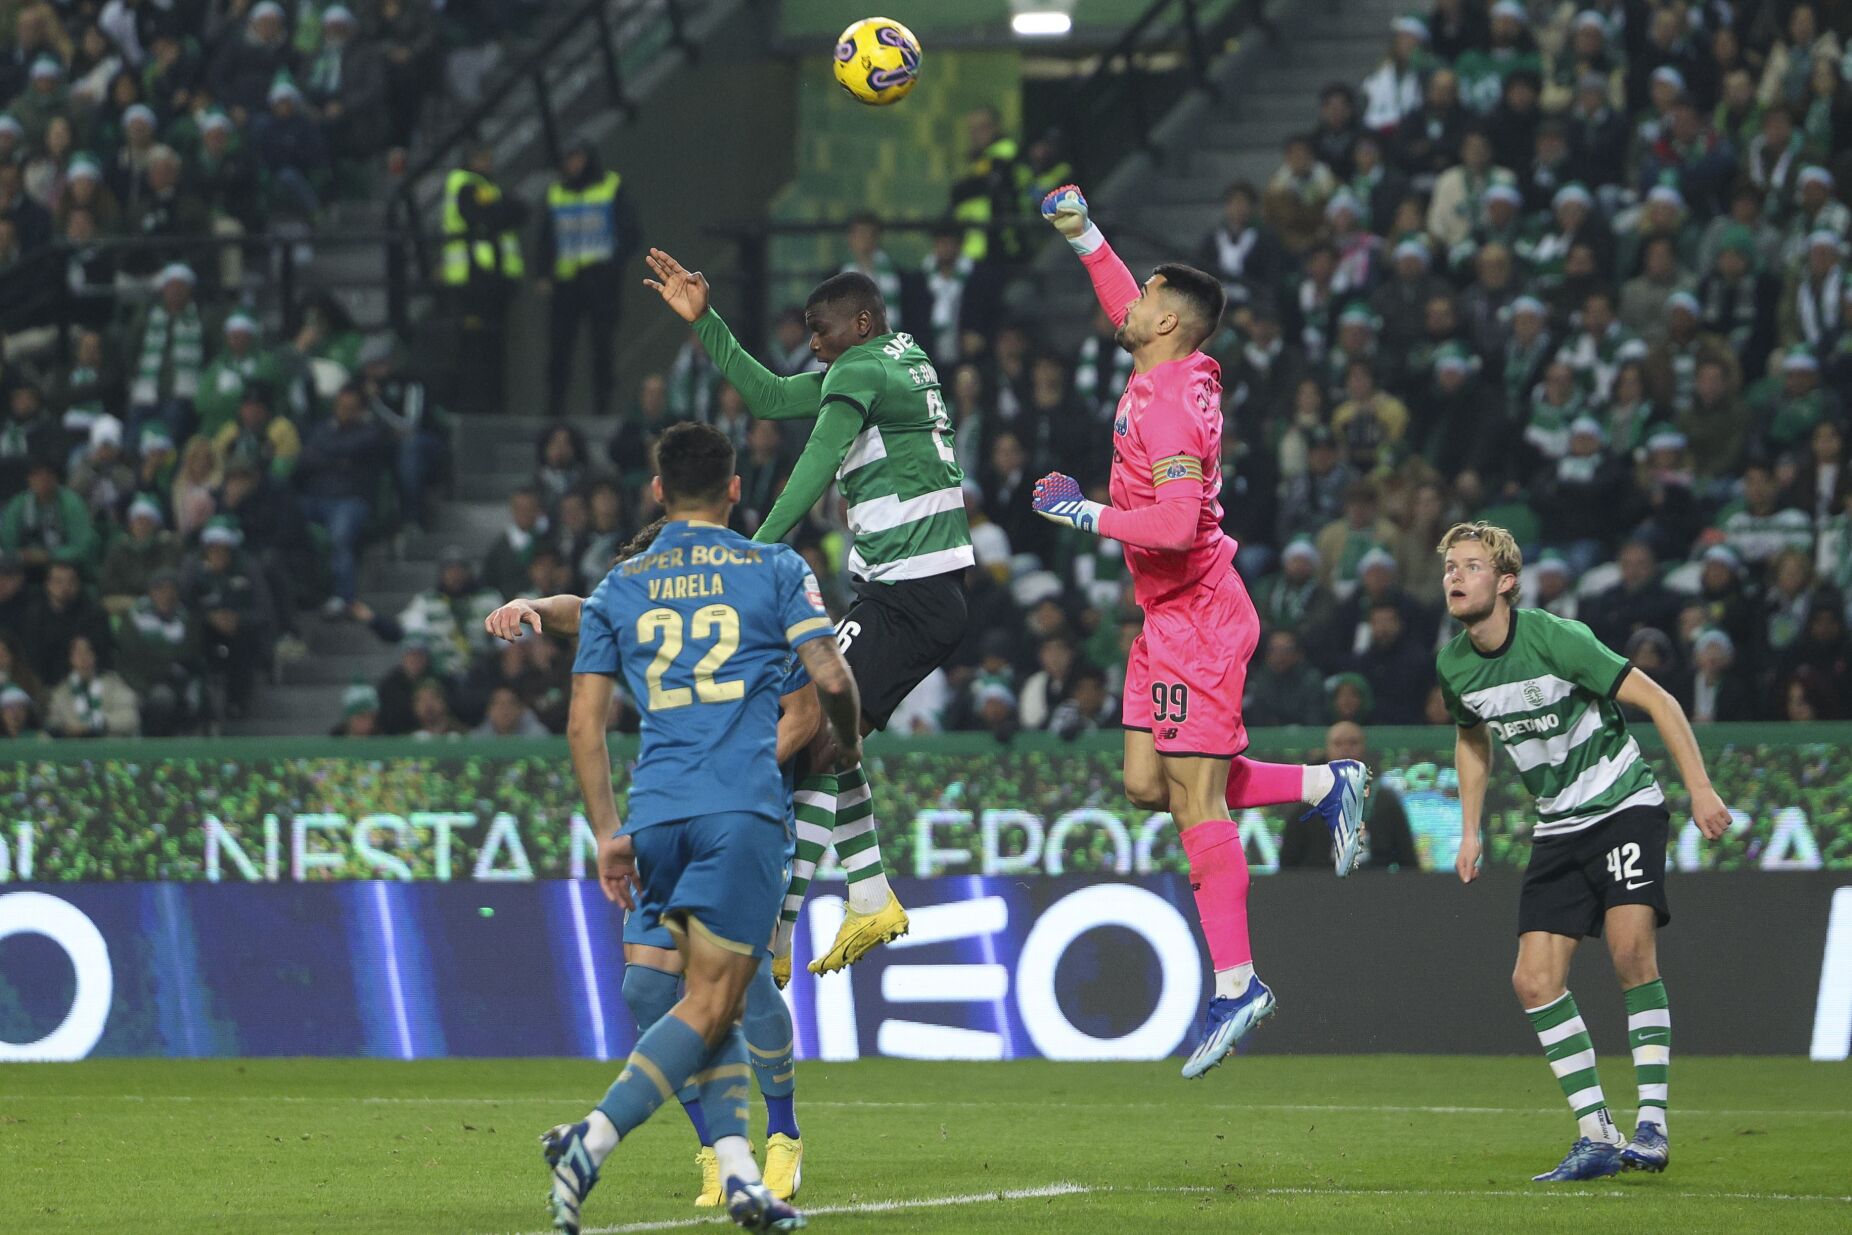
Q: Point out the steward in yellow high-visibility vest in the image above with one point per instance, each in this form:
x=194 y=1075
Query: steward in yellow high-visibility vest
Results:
x=482 y=237
x=988 y=196
x=482 y=267
x=587 y=231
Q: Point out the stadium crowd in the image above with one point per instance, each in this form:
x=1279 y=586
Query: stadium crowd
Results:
x=1578 y=271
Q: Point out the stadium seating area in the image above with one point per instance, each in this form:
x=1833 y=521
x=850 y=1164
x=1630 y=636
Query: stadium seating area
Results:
x=1576 y=271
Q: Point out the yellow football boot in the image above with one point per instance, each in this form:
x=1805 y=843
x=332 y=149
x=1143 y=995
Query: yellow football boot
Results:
x=860 y=934
x=710 y=1177
x=784 y=1165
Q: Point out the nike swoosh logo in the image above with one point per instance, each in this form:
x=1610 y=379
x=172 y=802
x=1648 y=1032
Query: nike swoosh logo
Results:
x=1652 y=1035
x=1631 y=885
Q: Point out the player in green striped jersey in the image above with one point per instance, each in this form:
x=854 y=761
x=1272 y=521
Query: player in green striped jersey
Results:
x=884 y=438
x=1551 y=693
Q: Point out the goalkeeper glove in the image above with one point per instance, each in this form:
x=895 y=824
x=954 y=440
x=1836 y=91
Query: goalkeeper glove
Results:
x=1057 y=499
x=1066 y=208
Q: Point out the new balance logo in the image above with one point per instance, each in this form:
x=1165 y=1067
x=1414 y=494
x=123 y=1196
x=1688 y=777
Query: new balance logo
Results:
x=1168 y=733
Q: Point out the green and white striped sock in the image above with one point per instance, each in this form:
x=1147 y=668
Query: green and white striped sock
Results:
x=815 y=802
x=1571 y=1054
x=858 y=848
x=1649 y=1033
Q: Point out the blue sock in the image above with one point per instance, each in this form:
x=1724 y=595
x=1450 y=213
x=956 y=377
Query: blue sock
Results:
x=770 y=1041
x=725 y=1083
x=667 y=1054
x=649 y=994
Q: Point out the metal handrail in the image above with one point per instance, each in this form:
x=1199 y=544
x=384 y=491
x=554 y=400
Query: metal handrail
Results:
x=589 y=18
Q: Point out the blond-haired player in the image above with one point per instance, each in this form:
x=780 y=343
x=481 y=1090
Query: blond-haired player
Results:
x=1552 y=694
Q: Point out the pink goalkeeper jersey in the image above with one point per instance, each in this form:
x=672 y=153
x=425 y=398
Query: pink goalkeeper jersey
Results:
x=1168 y=431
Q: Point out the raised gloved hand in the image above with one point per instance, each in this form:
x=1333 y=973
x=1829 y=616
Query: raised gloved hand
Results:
x=1058 y=499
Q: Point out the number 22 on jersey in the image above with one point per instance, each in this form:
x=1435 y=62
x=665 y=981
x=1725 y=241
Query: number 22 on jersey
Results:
x=664 y=627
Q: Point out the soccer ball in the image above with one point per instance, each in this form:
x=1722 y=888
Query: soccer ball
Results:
x=877 y=61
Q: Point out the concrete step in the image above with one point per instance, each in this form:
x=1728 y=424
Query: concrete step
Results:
x=341 y=668
x=319 y=705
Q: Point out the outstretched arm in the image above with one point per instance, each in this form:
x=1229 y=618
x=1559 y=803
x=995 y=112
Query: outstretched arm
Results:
x=828 y=445
x=1169 y=524
x=1707 y=808
x=1112 y=282
x=767 y=395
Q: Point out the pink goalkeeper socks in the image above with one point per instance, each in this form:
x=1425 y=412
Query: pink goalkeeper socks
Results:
x=1219 y=877
x=1264 y=784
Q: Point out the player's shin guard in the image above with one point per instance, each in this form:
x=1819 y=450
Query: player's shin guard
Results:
x=771 y=1044
x=1219 y=877
x=857 y=846
x=668 y=1053
x=815 y=802
x=1571 y=1053
x=649 y=994
x=1252 y=783
x=1649 y=1033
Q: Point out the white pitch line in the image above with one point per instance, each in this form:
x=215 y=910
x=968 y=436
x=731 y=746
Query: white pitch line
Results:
x=866 y=1207
x=832 y=1104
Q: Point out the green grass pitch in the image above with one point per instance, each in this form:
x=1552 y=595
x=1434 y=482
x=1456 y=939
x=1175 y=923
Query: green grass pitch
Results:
x=1274 y=1144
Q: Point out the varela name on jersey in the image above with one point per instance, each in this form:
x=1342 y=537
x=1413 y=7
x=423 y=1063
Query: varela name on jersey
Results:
x=900 y=479
x=1548 y=696
x=702 y=629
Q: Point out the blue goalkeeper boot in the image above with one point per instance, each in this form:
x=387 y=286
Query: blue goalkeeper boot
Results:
x=1226 y=1023
x=573 y=1174
x=1586 y=1160
x=1648 y=1150
x=1342 y=811
x=752 y=1206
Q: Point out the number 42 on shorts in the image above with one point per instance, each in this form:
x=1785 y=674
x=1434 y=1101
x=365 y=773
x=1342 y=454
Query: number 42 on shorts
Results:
x=1624 y=865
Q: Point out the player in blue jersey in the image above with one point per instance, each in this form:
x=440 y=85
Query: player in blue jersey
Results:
x=653 y=966
x=700 y=627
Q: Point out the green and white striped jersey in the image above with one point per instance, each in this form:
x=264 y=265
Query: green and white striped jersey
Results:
x=1548 y=696
x=900 y=479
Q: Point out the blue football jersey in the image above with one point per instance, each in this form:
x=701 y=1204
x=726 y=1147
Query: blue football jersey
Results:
x=702 y=627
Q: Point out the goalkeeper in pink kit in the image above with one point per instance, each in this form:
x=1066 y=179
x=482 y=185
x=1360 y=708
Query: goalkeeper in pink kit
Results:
x=1184 y=678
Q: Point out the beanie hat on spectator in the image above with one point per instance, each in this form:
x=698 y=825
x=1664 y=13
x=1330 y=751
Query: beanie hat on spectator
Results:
x=240 y=323
x=1815 y=174
x=1528 y=304
x=1667 y=194
x=1343 y=199
x=1632 y=349
x=337 y=15
x=1683 y=300
x=105 y=430
x=1410 y=25
x=1377 y=556
x=1300 y=548
x=1667 y=439
x=47 y=66
x=215 y=119
x=994 y=690
x=1588 y=18
x=1574 y=191
x=1507 y=193
x=1511 y=9
x=1357 y=314
x=1588 y=426
x=9 y=124
x=1415 y=248
x=1351 y=679
x=358 y=698
x=176 y=272
x=1550 y=563
x=83 y=167
x=1825 y=238
x=155 y=437
x=14 y=697
x=222 y=530
x=1453 y=358
x=138 y=111
x=1800 y=360
x=145 y=507
x=283 y=88
x=454 y=555
x=267 y=8
x=1714 y=637
x=1670 y=76
x=1725 y=555
x=1737 y=238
